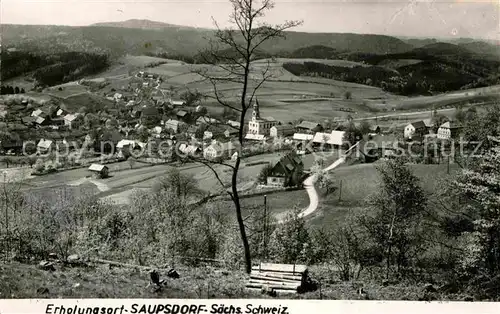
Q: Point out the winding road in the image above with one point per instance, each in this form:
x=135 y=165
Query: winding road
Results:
x=311 y=190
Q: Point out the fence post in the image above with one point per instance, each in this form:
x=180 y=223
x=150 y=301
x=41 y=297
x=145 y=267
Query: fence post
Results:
x=340 y=191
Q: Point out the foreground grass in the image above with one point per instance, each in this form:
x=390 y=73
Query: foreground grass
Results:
x=27 y=281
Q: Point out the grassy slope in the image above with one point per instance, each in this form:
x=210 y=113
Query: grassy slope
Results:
x=27 y=281
x=360 y=181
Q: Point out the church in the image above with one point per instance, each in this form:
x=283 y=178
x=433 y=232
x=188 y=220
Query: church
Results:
x=259 y=125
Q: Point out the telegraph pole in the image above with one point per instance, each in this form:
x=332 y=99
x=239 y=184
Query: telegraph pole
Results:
x=265 y=226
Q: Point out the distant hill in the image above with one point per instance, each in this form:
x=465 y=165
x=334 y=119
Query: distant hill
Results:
x=442 y=49
x=482 y=48
x=315 y=52
x=141 y=24
x=417 y=42
x=143 y=36
x=437 y=67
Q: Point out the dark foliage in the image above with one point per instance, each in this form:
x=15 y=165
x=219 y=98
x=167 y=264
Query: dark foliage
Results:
x=52 y=69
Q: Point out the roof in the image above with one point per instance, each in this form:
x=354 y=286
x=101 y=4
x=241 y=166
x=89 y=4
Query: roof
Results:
x=428 y=122
x=234 y=123
x=124 y=143
x=334 y=138
x=419 y=125
x=220 y=147
x=308 y=125
x=286 y=165
x=450 y=125
x=188 y=149
x=177 y=102
x=173 y=124
x=270 y=119
x=255 y=137
x=284 y=127
x=70 y=117
x=39 y=120
x=45 y=143
x=97 y=167
x=205 y=119
x=303 y=137
x=28 y=120
x=181 y=113
x=36 y=113
x=378 y=142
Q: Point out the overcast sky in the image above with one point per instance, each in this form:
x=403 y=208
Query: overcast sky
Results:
x=420 y=18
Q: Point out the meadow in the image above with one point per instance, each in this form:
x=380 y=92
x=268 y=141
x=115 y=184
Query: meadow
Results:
x=362 y=180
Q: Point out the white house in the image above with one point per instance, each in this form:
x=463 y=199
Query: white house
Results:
x=173 y=125
x=218 y=150
x=125 y=143
x=36 y=113
x=417 y=128
x=448 y=130
x=189 y=150
x=234 y=124
x=255 y=137
x=258 y=125
x=303 y=137
x=206 y=120
x=282 y=130
x=45 y=146
x=177 y=102
x=335 y=138
x=69 y=120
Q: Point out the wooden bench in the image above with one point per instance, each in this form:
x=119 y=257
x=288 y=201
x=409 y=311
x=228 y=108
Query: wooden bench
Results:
x=281 y=278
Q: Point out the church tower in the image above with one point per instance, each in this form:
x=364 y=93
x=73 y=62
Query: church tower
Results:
x=256 y=112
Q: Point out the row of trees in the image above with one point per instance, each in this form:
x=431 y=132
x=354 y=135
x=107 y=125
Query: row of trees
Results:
x=9 y=90
x=419 y=79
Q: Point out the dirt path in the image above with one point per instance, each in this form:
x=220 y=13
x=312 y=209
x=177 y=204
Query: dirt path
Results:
x=311 y=190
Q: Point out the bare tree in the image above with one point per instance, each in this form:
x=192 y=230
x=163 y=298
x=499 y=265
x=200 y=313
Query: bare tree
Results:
x=231 y=52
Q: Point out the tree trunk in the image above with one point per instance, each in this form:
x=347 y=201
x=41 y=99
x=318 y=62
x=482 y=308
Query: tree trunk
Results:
x=239 y=217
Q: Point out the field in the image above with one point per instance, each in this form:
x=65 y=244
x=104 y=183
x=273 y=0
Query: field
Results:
x=131 y=63
x=68 y=89
x=360 y=181
x=338 y=63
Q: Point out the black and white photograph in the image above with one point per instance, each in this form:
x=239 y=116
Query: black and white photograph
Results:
x=249 y=150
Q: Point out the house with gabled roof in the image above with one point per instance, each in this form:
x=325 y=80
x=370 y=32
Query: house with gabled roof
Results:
x=303 y=137
x=449 y=130
x=177 y=102
x=416 y=129
x=282 y=130
x=217 y=150
x=333 y=139
x=288 y=171
x=45 y=146
x=206 y=120
x=99 y=171
x=69 y=120
x=371 y=148
x=173 y=125
x=309 y=127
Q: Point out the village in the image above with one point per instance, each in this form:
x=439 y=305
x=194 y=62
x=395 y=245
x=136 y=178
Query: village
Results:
x=147 y=122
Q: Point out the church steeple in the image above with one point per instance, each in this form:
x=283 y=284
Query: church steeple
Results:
x=256 y=112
